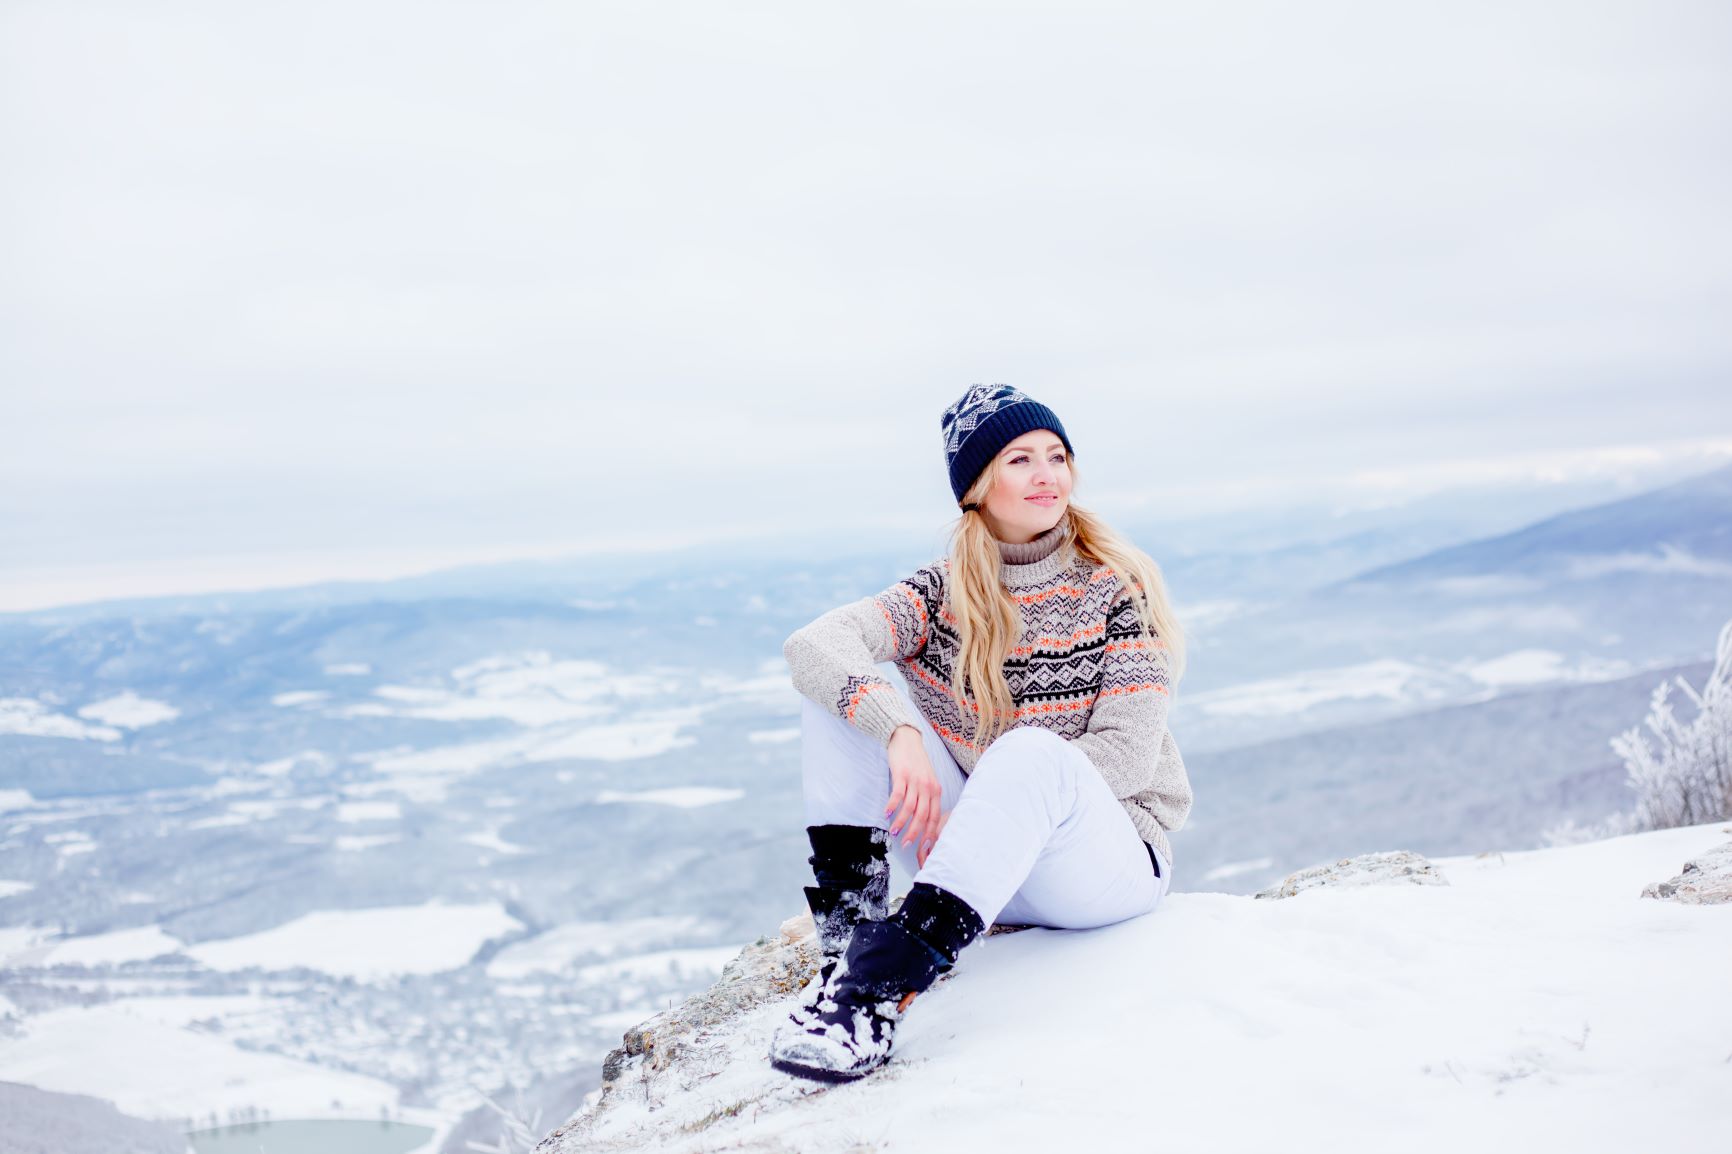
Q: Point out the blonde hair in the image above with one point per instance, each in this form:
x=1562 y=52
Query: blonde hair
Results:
x=988 y=622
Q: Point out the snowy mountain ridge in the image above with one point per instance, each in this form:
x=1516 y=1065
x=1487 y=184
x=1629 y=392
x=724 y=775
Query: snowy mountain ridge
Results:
x=1507 y=1001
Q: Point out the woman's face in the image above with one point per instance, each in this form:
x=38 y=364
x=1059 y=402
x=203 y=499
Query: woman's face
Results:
x=1033 y=487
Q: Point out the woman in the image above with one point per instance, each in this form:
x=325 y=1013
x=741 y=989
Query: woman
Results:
x=1026 y=772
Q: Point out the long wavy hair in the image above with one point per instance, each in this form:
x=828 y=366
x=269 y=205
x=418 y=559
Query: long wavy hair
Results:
x=988 y=622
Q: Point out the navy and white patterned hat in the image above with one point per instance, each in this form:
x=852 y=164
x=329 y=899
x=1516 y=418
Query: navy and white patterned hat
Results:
x=984 y=420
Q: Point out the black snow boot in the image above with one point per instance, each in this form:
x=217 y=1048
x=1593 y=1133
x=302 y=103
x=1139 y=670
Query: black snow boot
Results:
x=851 y=1026
x=853 y=876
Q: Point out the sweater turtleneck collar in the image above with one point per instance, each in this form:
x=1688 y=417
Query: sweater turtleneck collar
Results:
x=1036 y=560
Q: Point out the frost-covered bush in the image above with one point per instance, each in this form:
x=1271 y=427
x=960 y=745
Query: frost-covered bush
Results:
x=1687 y=778
x=520 y=1128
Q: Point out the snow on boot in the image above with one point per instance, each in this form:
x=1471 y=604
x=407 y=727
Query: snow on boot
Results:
x=849 y=864
x=850 y=1027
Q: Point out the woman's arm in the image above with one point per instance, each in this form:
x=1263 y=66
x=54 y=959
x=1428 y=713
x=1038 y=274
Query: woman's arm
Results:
x=1127 y=738
x=833 y=659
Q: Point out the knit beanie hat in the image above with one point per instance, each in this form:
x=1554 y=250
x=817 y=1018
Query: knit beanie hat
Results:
x=984 y=420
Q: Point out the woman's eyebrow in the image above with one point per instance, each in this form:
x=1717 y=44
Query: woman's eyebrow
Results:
x=1049 y=448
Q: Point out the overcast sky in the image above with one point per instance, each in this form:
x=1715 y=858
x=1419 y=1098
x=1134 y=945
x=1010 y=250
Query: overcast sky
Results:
x=328 y=289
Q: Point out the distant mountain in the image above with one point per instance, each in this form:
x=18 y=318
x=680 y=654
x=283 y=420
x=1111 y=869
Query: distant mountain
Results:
x=1642 y=582
x=1684 y=527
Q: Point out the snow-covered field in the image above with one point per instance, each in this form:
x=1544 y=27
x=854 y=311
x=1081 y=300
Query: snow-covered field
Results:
x=1400 y=682
x=154 y=1069
x=681 y=797
x=1535 y=1002
x=366 y=943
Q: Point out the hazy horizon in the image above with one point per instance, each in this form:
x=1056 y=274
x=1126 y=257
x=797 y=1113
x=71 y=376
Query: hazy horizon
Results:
x=1527 y=490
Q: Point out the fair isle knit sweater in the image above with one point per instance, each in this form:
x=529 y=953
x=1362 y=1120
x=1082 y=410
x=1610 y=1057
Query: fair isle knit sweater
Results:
x=1083 y=668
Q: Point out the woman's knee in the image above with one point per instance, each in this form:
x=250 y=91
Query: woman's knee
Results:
x=1029 y=757
x=1025 y=744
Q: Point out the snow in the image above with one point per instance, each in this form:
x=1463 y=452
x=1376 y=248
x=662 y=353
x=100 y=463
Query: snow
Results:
x=681 y=797
x=129 y=711
x=661 y=964
x=557 y=948
x=271 y=807
x=490 y=839
x=644 y=736
x=13 y=888
x=219 y=821
x=1534 y=666
x=11 y=799
x=1280 y=696
x=153 y=1070
x=111 y=948
x=353 y=843
x=421 y=774
x=1670 y=559
x=30 y=946
x=531 y=689
x=1535 y=1002
x=365 y=944
x=300 y=697
x=357 y=811
x=186 y=1009
x=69 y=842
x=1235 y=868
x=20 y=943
x=774 y=736
x=28 y=717
x=311 y=758
x=1401 y=682
x=348 y=669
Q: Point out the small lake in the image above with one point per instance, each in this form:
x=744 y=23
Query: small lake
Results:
x=331 y=1136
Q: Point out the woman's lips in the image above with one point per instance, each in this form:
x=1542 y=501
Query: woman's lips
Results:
x=1042 y=500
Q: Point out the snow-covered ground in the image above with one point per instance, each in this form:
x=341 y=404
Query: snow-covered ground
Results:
x=366 y=943
x=1400 y=682
x=681 y=797
x=151 y=1068
x=1536 y=1001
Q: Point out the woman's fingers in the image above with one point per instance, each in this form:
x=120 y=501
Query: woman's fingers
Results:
x=931 y=802
x=898 y=791
x=917 y=817
x=931 y=842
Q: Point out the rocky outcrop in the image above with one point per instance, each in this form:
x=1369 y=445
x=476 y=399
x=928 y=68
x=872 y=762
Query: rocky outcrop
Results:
x=1393 y=867
x=677 y=1041
x=663 y=1059
x=1705 y=880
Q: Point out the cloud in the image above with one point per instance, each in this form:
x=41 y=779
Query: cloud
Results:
x=424 y=277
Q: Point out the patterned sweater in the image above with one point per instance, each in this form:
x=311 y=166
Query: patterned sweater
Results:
x=1082 y=668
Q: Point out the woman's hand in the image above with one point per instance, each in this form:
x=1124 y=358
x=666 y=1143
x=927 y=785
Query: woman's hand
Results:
x=926 y=846
x=914 y=791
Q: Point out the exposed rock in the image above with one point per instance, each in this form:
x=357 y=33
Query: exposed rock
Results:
x=1368 y=869
x=1706 y=880
x=681 y=1047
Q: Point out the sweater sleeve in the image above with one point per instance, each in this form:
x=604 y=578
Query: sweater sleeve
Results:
x=832 y=659
x=1127 y=737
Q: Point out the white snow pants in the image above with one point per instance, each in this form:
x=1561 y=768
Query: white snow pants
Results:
x=1035 y=837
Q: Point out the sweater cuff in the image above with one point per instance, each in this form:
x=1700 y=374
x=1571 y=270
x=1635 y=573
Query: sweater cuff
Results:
x=879 y=710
